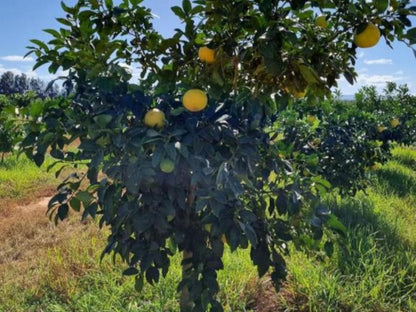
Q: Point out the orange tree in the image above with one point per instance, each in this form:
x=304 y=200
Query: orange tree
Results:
x=202 y=169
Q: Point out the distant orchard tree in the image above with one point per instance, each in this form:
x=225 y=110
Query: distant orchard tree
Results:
x=37 y=85
x=52 y=90
x=21 y=83
x=7 y=83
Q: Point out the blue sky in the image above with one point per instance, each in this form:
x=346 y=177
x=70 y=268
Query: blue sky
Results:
x=22 y=20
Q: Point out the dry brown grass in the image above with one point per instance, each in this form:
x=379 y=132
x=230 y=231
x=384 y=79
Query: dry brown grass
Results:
x=36 y=255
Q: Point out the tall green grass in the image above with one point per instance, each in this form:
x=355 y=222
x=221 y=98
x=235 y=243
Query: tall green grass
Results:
x=20 y=178
x=69 y=277
x=405 y=156
x=379 y=271
x=376 y=274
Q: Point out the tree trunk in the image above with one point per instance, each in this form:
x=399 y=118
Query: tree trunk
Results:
x=186 y=303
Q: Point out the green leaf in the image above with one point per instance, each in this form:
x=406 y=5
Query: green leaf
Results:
x=130 y=271
x=36 y=109
x=75 y=204
x=39 y=63
x=381 y=5
x=85 y=197
x=282 y=202
x=411 y=35
x=64 y=21
x=329 y=249
x=178 y=12
x=63 y=211
x=39 y=159
x=187 y=7
x=41 y=44
x=53 y=32
x=309 y=74
x=152 y=275
x=139 y=283
x=321 y=181
x=251 y=235
x=349 y=77
x=178 y=111
x=152 y=133
x=261 y=257
x=336 y=225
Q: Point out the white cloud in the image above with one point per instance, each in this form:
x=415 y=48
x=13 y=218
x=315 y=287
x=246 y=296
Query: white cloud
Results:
x=17 y=58
x=378 y=80
x=381 y=61
x=17 y=71
x=29 y=73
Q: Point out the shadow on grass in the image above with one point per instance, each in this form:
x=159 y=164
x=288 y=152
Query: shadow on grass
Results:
x=405 y=156
x=396 y=179
x=376 y=250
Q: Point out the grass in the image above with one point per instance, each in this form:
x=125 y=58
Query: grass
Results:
x=22 y=181
x=69 y=277
x=405 y=156
x=47 y=268
x=379 y=272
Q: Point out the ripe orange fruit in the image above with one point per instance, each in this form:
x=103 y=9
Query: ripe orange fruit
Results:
x=321 y=21
x=381 y=128
x=395 y=122
x=206 y=55
x=167 y=165
x=195 y=100
x=154 y=118
x=369 y=37
x=311 y=118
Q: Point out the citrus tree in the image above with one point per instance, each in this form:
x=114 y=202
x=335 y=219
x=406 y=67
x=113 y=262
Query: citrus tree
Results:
x=183 y=158
x=336 y=140
x=14 y=112
x=394 y=110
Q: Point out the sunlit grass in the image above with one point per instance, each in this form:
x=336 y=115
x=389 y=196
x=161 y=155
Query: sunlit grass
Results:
x=48 y=268
x=20 y=178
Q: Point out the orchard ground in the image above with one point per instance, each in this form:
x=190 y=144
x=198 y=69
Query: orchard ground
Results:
x=48 y=268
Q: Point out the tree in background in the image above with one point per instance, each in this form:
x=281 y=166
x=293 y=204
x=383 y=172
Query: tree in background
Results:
x=20 y=84
x=7 y=83
x=187 y=159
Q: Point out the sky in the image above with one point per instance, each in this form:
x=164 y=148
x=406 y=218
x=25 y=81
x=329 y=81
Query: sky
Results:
x=22 y=20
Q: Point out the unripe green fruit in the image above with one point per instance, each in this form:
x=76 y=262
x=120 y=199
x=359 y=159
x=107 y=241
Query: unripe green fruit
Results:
x=167 y=166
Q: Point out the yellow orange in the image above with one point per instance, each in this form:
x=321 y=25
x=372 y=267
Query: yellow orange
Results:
x=195 y=100
x=395 y=122
x=369 y=37
x=381 y=128
x=154 y=118
x=321 y=21
x=206 y=55
x=311 y=118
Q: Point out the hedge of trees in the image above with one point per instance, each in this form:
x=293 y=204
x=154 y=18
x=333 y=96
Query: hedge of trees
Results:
x=11 y=83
